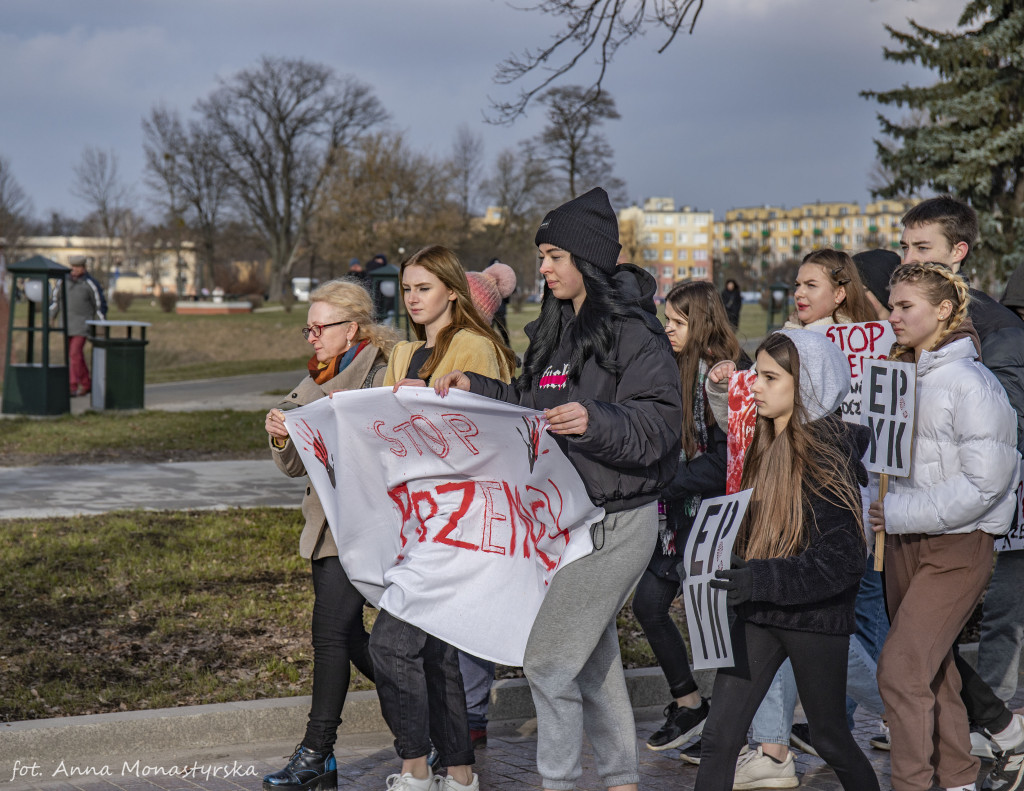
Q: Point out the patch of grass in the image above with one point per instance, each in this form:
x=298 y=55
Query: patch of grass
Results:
x=141 y=610
x=97 y=437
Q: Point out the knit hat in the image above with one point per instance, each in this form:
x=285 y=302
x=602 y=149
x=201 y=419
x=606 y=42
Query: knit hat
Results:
x=824 y=372
x=490 y=287
x=586 y=227
x=875 y=267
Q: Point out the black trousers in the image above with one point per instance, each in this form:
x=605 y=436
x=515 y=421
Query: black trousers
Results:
x=338 y=638
x=651 y=601
x=819 y=665
x=420 y=690
x=984 y=707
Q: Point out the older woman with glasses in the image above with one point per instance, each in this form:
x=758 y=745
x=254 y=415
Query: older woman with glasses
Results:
x=349 y=352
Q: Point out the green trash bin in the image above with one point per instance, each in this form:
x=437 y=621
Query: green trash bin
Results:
x=118 y=365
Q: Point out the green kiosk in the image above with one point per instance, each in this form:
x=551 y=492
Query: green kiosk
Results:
x=36 y=380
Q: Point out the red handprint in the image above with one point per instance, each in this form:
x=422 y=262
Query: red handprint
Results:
x=319 y=447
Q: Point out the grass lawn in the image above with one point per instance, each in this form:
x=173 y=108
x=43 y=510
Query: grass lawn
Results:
x=203 y=607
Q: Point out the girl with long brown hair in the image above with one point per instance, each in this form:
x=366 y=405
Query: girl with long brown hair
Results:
x=798 y=559
x=418 y=680
x=700 y=334
x=939 y=524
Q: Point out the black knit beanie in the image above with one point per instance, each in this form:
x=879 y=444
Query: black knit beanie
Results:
x=586 y=227
x=875 y=267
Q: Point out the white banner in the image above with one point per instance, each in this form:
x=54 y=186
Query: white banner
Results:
x=450 y=513
x=869 y=340
x=888 y=399
x=708 y=549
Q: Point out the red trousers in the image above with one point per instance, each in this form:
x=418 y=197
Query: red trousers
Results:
x=79 y=372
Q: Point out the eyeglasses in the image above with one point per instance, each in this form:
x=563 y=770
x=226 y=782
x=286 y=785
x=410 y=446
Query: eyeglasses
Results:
x=318 y=329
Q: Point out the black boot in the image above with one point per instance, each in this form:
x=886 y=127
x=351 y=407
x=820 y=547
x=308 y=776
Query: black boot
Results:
x=307 y=770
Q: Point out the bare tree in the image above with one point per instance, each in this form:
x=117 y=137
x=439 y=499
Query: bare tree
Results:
x=278 y=129
x=573 y=143
x=191 y=183
x=15 y=207
x=383 y=196
x=521 y=187
x=589 y=26
x=466 y=166
x=98 y=184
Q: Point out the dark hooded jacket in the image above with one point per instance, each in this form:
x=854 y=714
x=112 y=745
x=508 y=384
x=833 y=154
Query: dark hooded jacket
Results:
x=1002 y=349
x=630 y=449
x=815 y=590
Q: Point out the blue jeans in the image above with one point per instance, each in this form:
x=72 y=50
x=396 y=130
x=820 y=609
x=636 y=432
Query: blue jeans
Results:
x=1002 y=626
x=774 y=717
x=872 y=629
x=477 y=678
x=420 y=691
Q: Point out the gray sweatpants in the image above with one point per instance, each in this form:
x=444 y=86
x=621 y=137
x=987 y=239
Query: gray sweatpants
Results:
x=572 y=657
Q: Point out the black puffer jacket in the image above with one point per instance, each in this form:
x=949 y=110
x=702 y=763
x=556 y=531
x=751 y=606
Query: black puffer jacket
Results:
x=1002 y=349
x=630 y=449
x=814 y=591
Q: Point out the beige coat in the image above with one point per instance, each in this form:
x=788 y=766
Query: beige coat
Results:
x=316 y=540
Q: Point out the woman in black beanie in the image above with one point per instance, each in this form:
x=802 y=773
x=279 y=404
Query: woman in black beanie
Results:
x=600 y=367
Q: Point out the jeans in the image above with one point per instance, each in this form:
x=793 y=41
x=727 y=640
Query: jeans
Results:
x=338 y=638
x=819 y=667
x=872 y=629
x=774 y=717
x=420 y=690
x=1002 y=626
x=477 y=678
x=653 y=597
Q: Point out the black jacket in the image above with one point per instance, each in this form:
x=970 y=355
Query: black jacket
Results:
x=814 y=591
x=1002 y=349
x=630 y=449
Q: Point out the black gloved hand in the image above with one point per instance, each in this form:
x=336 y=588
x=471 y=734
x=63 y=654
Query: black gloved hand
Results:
x=738 y=583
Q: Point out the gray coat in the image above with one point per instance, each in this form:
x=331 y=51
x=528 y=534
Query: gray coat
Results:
x=316 y=540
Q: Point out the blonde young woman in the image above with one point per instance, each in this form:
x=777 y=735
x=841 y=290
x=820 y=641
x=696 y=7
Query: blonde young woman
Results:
x=939 y=526
x=418 y=680
x=349 y=352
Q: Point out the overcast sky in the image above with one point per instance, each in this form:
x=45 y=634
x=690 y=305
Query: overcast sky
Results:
x=759 y=105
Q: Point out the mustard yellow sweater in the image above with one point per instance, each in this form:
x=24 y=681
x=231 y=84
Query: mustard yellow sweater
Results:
x=467 y=352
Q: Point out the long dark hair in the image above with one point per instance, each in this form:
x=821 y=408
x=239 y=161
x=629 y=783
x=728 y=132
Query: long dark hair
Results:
x=709 y=338
x=592 y=334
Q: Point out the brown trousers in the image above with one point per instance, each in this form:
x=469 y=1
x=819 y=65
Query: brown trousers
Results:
x=932 y=585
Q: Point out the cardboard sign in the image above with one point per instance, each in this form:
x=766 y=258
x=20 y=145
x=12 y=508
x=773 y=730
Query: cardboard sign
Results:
x=1015 y=538
x=869 y=340
x=888 y=398
x=450 y=513
x=708 y=549
x=742 y=418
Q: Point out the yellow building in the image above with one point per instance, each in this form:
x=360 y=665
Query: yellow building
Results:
x=672 y=244
x=152 y=269
x=763 y=236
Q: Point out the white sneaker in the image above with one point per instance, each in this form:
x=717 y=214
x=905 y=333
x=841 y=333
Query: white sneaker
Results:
x=757 y=770
x=407 y=782
x=983 y=747
x=450 y=784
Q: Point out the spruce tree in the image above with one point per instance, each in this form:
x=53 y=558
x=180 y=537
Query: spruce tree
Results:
x=967 y=136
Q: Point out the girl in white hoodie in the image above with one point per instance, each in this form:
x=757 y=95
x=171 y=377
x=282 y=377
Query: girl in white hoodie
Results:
x=939 y=525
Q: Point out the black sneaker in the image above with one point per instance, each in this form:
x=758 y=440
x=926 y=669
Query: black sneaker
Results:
x=800 y=737
x=880 y=741
x=681 y=725
x=691 y=754
x=307 y=770
x=1007 y=772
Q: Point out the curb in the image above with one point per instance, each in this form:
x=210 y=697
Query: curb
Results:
x=141 y=733
x=189 y=728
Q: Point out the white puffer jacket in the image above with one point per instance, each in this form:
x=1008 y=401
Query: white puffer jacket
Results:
x=965 y=461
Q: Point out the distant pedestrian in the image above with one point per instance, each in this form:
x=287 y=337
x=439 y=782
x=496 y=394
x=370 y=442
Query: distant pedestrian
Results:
x=86 y=302
x=733 y=301
x=357 y=273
